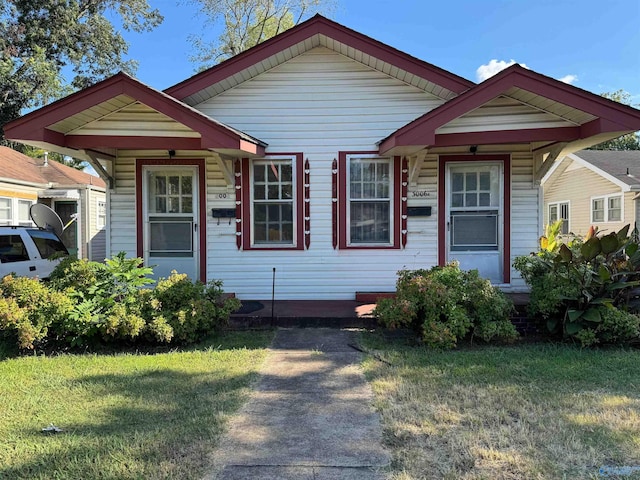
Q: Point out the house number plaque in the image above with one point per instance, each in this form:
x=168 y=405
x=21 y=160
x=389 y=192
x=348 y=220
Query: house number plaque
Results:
x=420 y=194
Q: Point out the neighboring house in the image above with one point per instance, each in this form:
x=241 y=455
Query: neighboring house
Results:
x=593 y=187
x=25 y=181
x=328 y=156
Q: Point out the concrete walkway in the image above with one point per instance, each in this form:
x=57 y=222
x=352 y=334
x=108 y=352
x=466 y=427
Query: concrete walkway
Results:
x=310 y=416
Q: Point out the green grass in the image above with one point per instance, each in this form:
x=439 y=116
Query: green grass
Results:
x=539 y=411
x=124 y=415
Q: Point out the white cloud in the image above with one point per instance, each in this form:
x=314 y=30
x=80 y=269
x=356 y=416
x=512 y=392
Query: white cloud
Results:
x=569 y=79
x=494 y=66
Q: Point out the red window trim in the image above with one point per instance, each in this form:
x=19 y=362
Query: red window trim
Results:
x=343 y=228
x=299 y=204
x=202 y=205
x=442 y=195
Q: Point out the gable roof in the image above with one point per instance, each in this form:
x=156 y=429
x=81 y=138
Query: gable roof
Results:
x=589 y=113
x=17 y=166
x=58 y=123
x=319 y=31
x=623 y=166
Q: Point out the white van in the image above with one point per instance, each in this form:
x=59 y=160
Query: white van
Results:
x=29 y=252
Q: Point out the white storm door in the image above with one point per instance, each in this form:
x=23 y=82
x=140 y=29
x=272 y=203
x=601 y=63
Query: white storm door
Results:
x=171 y=220
x=475 y=217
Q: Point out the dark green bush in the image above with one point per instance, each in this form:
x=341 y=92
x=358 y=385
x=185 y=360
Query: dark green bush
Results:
x=586 y=289
x=444 y=304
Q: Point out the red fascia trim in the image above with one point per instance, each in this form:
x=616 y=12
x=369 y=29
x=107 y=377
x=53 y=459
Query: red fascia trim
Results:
x=305 y=30
x=214 y=134
x=343 y=228
x=422 y=130
x=442 y=195
x=202 y=207
x=246 y=203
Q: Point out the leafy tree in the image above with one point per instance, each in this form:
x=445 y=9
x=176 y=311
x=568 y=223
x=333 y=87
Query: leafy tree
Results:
x=630 y=141
x=248 y=23
x=40 y=38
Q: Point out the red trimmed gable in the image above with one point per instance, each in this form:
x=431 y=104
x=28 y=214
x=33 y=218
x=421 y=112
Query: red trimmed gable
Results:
x=303 y=31
x=609 y=116
x=34 y=126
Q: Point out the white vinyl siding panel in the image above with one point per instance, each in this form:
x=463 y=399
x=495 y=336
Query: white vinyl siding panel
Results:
x=319 y=103
x=503 y=114
x=580 y=185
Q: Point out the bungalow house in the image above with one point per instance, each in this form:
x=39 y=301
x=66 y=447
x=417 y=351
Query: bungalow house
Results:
x=593 y=187
x=25 y=181
x=328 y=156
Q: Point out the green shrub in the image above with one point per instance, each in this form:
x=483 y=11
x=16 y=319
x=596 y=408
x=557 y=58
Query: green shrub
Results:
x=445 y=304
x=88 y=303
x=29 y=310
x=585 y=289
x=192 y=310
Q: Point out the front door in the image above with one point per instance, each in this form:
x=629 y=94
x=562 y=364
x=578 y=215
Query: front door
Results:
x=170 y=212
x=66 y=211
x=475 y=217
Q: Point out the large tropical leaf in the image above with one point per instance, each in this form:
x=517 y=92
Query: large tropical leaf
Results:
x=591 y=248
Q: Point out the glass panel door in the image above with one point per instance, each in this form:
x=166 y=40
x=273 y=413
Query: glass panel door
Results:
x=171 y=240
x=474 y=212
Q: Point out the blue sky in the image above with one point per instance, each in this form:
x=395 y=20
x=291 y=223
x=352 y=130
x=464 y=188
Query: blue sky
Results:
x=593 y=44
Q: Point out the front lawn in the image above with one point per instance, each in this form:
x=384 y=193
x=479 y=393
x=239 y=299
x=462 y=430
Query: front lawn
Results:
x=124 y=415
x=521 y=412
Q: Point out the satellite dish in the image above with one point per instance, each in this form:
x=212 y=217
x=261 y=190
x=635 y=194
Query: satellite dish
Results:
x=44 y=217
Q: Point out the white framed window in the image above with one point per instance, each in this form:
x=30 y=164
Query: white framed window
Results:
x=6 y=211
x=273 y=206
x=606 y=208
x=101 y=212
x=15 y=211
x=560 y=211
x=24 y=217
x=370 y=199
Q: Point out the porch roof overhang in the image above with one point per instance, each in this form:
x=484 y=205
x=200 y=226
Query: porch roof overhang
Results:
x=584 y=119
x=84 y=122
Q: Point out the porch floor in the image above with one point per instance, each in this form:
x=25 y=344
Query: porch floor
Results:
x=320 y=313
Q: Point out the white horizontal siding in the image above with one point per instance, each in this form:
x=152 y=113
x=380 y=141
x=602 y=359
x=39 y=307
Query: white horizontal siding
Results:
x=525 y=218
x=503 y=114
x=320 y=102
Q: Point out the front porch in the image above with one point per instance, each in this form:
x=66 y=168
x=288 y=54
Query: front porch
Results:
x=334 y=314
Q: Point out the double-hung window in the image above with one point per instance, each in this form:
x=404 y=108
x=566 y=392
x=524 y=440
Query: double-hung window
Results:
x=273 y=196
x=6 y=216
x=101 y=218
x=606 y=209
x=560 y=211
x=369 y=201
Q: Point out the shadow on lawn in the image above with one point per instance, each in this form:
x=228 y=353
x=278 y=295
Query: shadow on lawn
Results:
x=166 y=426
